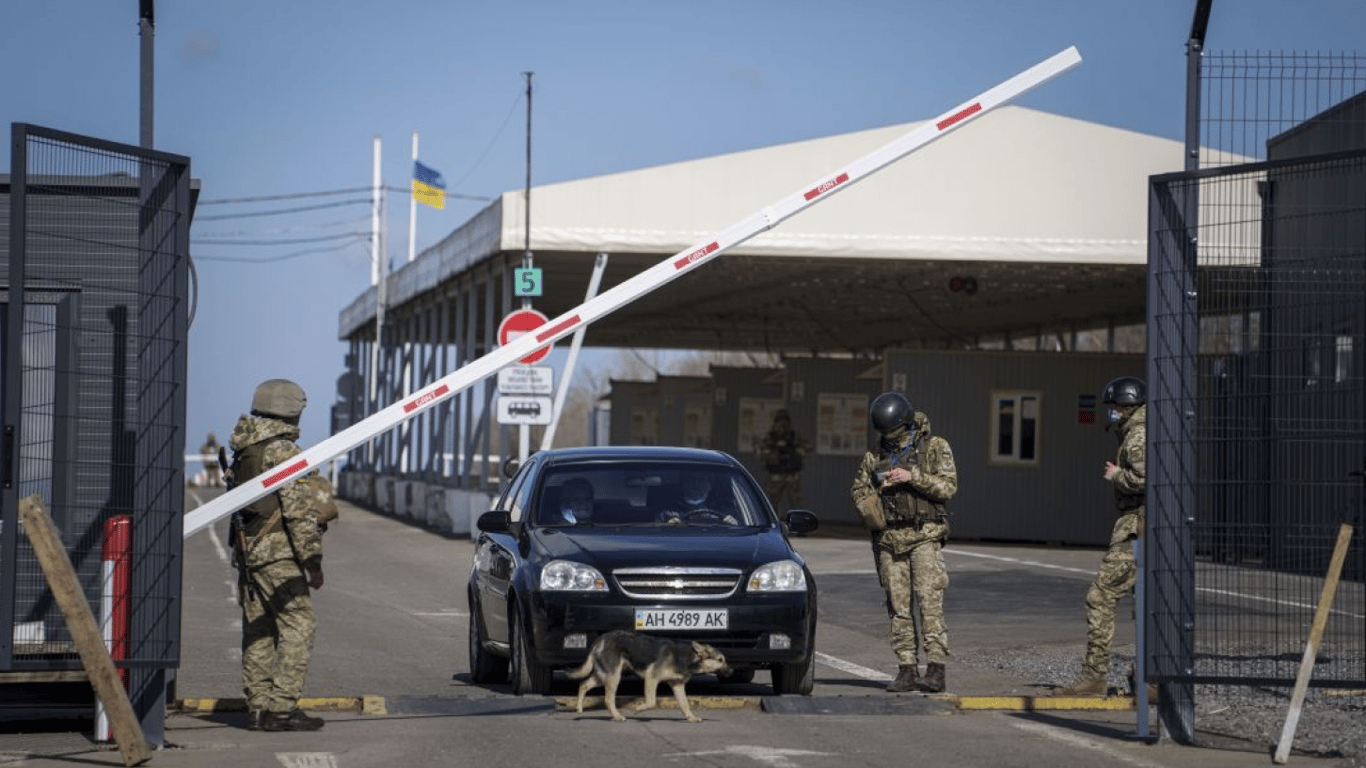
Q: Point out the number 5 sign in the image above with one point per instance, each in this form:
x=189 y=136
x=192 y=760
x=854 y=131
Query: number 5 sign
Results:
x=527 y=282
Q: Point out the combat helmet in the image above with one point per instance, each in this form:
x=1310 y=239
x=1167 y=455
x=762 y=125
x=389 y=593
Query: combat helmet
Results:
x=1123 y=392
x=889 y=411
x=280 y=398
x=1126 y=390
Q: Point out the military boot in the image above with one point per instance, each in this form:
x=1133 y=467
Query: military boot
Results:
x=1086 y=685
x=907 y=679
x=254 y=719
x=933 y=681
x=293 y=720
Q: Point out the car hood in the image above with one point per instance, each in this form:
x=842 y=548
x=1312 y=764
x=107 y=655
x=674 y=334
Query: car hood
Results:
x=608 y=549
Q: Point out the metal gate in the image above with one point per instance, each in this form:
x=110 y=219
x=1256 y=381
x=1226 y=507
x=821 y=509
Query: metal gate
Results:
x=1257 y=415
x=93 y=398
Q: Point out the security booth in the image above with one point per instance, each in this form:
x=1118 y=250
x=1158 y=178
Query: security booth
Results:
x=635 y=412
x=828 y=401
x=93 y=352
x=685 y=416
x=743 y=403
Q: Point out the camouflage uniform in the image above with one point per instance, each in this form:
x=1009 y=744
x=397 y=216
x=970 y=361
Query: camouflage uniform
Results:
x=1117 y=569
x=782 y=452
x=910 y=561
x=277 y=613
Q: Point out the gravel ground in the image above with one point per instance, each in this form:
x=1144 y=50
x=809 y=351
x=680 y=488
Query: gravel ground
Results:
x=1332 y=723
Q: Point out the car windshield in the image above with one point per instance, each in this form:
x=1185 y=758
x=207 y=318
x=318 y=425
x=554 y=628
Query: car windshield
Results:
x=649 y=495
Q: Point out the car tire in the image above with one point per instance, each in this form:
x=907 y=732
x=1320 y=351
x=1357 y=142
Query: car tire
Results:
x=737 y=676
x=796 y=679
x=485 y=667
x=528 y=677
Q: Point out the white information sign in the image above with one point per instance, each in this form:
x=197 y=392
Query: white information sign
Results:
x=524 y=409
x=526 y=380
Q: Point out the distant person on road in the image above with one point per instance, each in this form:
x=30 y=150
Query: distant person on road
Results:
x=208 y=453
x=782 y=450
x=1126 y=410
x=277 y=548
x=901 y=491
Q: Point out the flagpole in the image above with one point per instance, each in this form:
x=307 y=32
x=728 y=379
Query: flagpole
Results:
x=412 y=212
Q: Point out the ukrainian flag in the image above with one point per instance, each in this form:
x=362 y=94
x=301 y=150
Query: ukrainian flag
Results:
x=428 y=186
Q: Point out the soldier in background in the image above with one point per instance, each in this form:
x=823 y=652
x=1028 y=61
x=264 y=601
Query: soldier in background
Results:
x=782 y=450
x=900 y=491
x=277 y=547
x=1126 y=412
x=208 y=453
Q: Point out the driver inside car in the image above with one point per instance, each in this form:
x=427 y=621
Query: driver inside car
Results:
x=694 y=504
x=576 y=501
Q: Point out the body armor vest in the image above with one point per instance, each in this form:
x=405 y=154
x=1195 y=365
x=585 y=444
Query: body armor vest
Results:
x=902 y=505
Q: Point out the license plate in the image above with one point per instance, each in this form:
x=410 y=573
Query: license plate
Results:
x=681 y=619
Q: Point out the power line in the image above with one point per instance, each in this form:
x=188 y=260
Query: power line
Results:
x=265 y=260
x=282 y=211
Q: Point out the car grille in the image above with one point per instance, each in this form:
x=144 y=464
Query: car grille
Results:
x=672 y=583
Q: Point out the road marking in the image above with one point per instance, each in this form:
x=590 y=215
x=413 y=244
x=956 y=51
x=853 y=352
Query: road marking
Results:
x=1018 y=561
x=852 y=668
x=448 y=613
x=307 y=759
x=778 y=758
x=1085 y=743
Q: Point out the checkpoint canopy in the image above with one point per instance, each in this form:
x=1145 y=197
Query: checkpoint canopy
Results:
x=1045 y=215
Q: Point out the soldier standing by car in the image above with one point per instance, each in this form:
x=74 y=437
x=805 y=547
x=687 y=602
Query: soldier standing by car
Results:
x=1126 y=413
x=900 y=491
x=782 y=450
x=277 y=548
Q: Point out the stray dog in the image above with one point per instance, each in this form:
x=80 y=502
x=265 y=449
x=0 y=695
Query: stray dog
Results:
x=654 y=659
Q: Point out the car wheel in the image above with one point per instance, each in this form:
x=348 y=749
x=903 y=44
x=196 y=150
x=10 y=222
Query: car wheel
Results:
x=527 y=675
x=796 y=679
x=485 y=667
x=737 y=676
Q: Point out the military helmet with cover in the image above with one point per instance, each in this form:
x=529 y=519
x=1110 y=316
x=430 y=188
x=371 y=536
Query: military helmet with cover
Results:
x=280 y=398
x=889 y=411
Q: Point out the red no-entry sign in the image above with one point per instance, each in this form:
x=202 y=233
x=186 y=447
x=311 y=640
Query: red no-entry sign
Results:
x=519 y=322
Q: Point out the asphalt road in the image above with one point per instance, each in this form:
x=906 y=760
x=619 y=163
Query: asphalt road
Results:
x=392 y=628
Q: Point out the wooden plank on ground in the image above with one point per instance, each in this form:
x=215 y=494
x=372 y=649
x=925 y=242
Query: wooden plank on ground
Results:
x=1311 y=648
x=104 y=678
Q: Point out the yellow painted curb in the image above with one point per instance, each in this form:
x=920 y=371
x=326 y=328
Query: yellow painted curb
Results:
x=1042 y=703
x=566 y=703
x=321 y=704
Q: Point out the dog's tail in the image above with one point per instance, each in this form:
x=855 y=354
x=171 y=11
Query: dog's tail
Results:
x=583 y=671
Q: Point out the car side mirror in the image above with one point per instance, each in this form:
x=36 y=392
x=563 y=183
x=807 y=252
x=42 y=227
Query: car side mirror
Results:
x=802 y=521
x=510 y=467
x=497 y=521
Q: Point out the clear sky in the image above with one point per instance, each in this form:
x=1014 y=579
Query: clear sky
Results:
x=285 y=97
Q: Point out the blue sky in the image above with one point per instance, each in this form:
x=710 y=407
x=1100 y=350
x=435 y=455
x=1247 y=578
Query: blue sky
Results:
x=283 y=98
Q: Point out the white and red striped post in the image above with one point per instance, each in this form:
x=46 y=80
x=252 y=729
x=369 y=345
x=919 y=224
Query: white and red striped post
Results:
x=115 y=603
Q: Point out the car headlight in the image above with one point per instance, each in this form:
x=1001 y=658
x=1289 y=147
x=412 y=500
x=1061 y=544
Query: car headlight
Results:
x=782 y=576
x=569 y=576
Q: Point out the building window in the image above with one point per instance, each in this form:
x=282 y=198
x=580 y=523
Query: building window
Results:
x=1015 y=428
x=1342 y=369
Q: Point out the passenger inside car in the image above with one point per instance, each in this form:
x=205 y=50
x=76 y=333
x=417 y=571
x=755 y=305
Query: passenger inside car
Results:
x=575 y=504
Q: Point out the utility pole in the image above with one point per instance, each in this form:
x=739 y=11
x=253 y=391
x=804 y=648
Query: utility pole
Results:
x=526 y=234
x=146 y=30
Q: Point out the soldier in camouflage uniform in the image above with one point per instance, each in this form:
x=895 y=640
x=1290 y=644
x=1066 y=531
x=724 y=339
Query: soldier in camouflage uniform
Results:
x=277 y=547
x=782 y=451
x=900 y=491
x=1125 y=400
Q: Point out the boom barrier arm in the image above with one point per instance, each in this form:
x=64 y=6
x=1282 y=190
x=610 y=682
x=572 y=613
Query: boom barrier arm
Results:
x=630 y=290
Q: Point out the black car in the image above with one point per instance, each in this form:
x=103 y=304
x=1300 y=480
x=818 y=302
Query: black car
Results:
x=679 y=542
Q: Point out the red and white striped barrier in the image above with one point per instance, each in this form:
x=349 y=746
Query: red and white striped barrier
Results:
x=115 y=603
x=649 y=280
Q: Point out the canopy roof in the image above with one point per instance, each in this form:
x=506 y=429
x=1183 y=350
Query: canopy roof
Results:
x=1047 y=214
